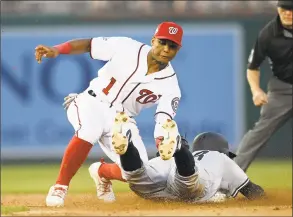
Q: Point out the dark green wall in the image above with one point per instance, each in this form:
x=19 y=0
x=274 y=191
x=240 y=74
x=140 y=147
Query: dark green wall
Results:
x=281 y=143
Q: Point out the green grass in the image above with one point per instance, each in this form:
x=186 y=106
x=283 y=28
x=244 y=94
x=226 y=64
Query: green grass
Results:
x=31 y=179
x=34 y=179
x=7 y=210
x=272 y=174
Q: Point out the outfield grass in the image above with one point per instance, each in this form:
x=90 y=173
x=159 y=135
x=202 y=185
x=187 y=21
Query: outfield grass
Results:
x=30 y=179
x=272 y=174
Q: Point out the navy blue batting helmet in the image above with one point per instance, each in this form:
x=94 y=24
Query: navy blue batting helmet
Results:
x=213 y=142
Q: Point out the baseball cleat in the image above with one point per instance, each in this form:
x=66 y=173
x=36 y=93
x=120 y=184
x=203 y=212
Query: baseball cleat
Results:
x=171 y=140
x=56 y=195
x=119 y=137
x=104 y=187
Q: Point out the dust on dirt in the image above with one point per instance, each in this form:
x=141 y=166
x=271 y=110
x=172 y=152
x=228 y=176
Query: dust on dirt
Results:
x=277 y=203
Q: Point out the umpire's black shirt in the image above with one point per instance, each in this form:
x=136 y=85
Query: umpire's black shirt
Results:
x=276 y=43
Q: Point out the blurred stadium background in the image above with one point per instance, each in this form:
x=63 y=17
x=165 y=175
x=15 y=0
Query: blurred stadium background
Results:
x=211 y=69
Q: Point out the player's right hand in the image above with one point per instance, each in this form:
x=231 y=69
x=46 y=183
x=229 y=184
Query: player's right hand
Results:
x=259 y=97
x=45 y=51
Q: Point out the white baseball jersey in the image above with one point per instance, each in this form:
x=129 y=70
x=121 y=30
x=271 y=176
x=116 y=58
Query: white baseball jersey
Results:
x=122 y=85
x=214 y=171
x=123 y=82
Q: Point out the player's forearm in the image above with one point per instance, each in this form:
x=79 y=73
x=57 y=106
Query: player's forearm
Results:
x=76 y=46
x=253 y=78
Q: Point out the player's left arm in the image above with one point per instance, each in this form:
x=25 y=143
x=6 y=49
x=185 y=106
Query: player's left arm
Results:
x=166 y=109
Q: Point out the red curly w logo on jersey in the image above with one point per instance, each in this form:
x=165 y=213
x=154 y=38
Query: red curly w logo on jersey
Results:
x=147 y=96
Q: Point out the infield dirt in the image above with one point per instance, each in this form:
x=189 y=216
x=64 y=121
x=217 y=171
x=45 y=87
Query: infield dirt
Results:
x=277 y=203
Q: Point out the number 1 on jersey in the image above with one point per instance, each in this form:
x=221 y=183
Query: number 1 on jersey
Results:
x=110 y=85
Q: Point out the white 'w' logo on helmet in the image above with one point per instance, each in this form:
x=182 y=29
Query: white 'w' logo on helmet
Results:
x=173 y=30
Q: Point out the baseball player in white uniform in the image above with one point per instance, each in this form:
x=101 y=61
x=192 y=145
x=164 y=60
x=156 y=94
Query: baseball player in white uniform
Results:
x=190 y=177
x=136 y=76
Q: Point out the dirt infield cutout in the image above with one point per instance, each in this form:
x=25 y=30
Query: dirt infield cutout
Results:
x=277 y=203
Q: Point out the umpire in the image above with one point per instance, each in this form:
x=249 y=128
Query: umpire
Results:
x=274 y=41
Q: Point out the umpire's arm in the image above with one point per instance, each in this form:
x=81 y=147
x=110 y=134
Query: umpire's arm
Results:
x=257 y=56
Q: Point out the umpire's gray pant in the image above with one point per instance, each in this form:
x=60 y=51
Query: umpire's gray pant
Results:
x=273 y=115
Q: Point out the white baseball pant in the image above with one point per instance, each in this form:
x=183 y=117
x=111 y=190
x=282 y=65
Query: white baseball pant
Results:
x=92 y=119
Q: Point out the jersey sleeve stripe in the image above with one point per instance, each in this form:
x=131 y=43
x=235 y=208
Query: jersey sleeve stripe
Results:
x=165 y=114
x=239 y=188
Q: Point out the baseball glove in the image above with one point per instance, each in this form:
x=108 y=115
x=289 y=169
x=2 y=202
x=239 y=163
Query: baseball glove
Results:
x=68 y=100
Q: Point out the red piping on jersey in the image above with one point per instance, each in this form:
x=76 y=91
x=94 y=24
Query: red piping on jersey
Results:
x=79 y=123
x=130 y=93
x=165 y=77
x=129 y=76
x=165 y=114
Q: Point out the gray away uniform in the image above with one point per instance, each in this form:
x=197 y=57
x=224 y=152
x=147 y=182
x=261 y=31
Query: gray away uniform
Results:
x=214 y=171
